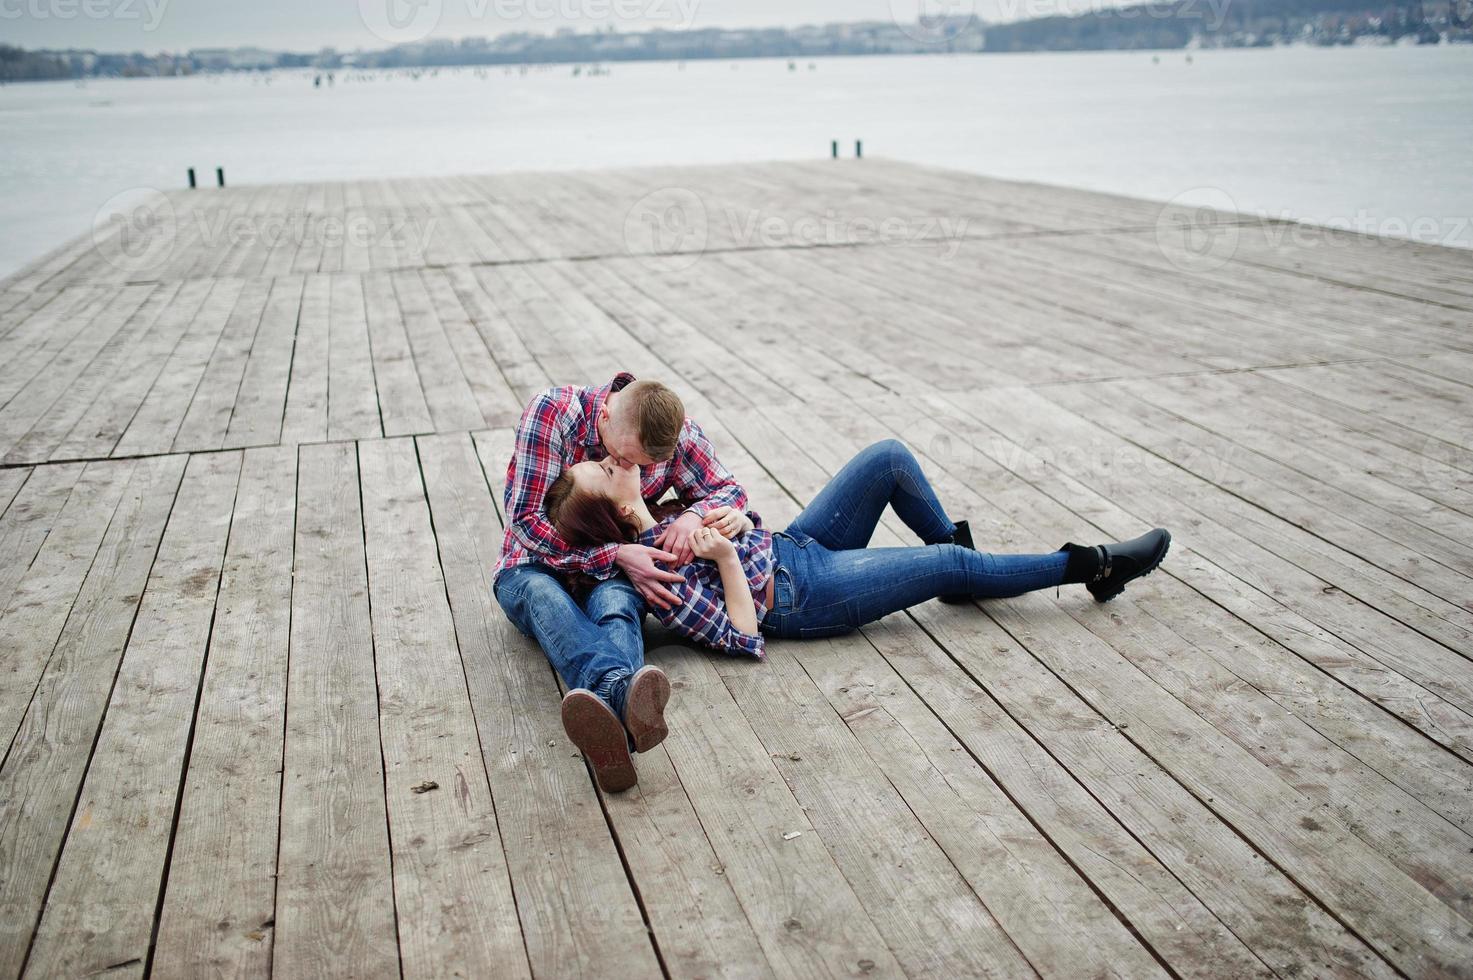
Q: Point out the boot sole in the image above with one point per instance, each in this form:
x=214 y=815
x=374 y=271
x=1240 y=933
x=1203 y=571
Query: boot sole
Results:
x=644 y=708
x=1155 y=564
x=595 y=729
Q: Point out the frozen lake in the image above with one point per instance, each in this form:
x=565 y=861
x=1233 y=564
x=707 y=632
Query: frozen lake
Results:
x=1370 y=138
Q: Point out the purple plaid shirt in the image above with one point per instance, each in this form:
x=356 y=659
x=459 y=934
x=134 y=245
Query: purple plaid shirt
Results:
x=701 y=615
x=558 y=429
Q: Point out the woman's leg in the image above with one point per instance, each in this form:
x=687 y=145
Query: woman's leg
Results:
x=838 y=591
x=845 y=513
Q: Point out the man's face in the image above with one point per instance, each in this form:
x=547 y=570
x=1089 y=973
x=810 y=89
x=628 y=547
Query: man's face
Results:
x=619 y=436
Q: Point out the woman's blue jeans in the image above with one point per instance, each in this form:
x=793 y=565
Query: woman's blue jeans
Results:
x=827 y=581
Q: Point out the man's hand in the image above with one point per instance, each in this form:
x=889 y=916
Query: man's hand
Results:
x=728 y=522
x=676 y=538
x=638 y=562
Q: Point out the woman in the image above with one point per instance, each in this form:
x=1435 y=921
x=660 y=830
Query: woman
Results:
x=818 y=577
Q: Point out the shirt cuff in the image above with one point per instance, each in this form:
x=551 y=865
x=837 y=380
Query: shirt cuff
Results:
x=601 y=563
x=752 y=644
x=700 y=508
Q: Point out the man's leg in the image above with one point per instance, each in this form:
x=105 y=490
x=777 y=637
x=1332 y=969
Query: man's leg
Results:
x=581 y=651
x=616 y=610
x=539 y=606
x=638 y=694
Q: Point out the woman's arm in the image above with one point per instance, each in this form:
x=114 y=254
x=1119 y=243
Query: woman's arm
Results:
x=740 y=608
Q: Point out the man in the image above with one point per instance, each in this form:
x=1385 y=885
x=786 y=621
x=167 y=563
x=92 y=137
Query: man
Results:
x=586 y=615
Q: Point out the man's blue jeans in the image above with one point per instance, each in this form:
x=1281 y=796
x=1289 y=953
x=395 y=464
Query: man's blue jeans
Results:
x=597 y=644
x=827 y=581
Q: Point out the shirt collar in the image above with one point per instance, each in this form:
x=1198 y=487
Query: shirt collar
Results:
x=596 y=404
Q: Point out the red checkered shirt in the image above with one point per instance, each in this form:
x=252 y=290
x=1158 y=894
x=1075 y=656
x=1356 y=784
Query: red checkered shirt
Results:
x=558 y=429
x=701 y=614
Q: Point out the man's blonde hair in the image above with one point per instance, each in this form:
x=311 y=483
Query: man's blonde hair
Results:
x=657 y=414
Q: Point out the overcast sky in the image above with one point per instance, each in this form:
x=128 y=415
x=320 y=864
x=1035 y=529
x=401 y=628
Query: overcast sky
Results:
x=305 y=25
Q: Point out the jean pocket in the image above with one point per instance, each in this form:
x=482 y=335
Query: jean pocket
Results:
x=784 y=593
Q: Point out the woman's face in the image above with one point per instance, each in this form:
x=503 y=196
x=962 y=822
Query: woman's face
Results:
x=607 y=479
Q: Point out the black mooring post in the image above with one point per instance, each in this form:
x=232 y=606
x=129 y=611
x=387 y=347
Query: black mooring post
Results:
x=858 y=149
x=191 y=178
x=835 y=149
x=220 y=176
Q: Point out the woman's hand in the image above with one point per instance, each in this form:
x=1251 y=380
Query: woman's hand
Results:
x=728 y=522
x=709 y=544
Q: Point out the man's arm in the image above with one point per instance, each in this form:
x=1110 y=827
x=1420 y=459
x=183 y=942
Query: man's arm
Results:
x=537 y=459
x=703 y=484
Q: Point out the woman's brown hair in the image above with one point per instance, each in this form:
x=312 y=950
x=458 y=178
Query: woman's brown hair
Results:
x=584 y=519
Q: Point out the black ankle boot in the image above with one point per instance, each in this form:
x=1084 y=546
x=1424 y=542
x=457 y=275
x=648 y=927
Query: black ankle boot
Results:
x=962 y=538
x=1106 y=568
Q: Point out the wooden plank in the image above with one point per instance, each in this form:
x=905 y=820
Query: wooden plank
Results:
x=32 y=402
x=305 y=417
x=219 y=902
x=453 y=897
x=44 y=769
x=334 y=899
x=867 y=824
x=100 y=910
x=401 y=399
x=27 y=351
x=1433 y=666
x=521 y=370
x=1011 y=668
x=28 y=519
x=11 y=481
x=452 y=403
x=1252 y=584
x=94 y=381
x=1334 y=746
x=352 y=404
x=153 y=428
x=260 y=404
x=806 y=917
x=1336 y=863
x=499 y=406
x=40 y=602
x=208 y=416
x=98 y=429
x=578 y=912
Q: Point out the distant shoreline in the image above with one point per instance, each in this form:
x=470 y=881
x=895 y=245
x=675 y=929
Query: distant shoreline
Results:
x=800 y=64
x=1178 y=25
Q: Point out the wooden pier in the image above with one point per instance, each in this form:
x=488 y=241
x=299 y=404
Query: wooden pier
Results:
x=261 y=714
